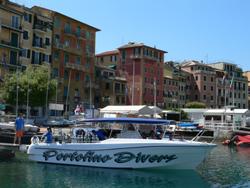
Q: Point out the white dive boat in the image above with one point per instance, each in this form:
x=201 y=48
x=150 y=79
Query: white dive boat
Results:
x=124 y=152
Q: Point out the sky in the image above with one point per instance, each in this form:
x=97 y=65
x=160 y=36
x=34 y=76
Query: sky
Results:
x=207 y=30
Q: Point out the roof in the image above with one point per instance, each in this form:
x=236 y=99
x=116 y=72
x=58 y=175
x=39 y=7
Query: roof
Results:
x=67 y=17
x=227 y=111
x=127 y=120
x=107 y=53
x=127 y=109
x=156 y=109
x=134 y=44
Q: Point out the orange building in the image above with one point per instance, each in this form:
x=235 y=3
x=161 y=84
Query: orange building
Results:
x=73 y=53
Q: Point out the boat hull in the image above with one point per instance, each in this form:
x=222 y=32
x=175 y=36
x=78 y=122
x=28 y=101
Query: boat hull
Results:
x=123 y=154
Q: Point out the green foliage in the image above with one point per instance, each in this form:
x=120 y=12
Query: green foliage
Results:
x=33 y=78
x=195 y=105
x=184 y=115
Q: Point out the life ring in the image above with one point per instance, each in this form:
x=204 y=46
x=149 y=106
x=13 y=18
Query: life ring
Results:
x=35 y=140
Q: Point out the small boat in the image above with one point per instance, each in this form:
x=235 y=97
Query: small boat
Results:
x=238 y=140
x=128 y=150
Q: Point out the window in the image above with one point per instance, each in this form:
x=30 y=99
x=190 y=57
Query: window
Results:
x=211 y=98
x=66 y=74
x=55 y=72
x=196 y=77
x=15 y=22
x=78 y=31
x=205 y=88
x=77 y=76
x=25 y=35
x=205 y=78
x=123 y=54
x=46 y=58
x=47 y=41
x=27 y=17
x=66 y=58
x=25 y=53
x=78 y=44
x=78 y=60
x=204 y=97
x=57 y=22
x=212 y=88
x=117 y=87
x=212 y=79
x=36 y=57
x=65 y=91
x=56 y=55
x=67 y=28
x=88 y=35
x=107 y=86
x=67 y=42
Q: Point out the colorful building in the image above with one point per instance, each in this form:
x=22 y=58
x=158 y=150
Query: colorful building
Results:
x=10 y=36
x=235 y=85
x=111 y=88
x=201 y=85
x=73 y=52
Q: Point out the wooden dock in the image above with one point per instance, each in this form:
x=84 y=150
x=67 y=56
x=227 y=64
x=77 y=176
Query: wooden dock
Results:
x=7 y=151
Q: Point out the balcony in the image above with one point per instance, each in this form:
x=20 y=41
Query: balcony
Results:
x=9 y=25
x=39 y=27
x=76 y=51
x=138 y=56
x=39 y=45
x=75 y=66
x=69 y=32
x=80 y=35
x=9 y=44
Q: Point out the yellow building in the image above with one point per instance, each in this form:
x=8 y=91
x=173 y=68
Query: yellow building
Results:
x=10 y=36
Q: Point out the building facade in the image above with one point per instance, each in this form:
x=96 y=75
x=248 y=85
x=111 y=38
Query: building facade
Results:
x=247 y=74
x=111 y=88
x=235 y=85
x=73 y=59
x=175 y=86
x=201 y=84
x=11 y=17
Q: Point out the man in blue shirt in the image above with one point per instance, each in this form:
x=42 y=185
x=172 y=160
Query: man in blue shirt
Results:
x=19 y=127
x=48 y=135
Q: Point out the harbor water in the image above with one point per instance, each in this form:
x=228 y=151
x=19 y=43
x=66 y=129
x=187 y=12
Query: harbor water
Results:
x=224 y=167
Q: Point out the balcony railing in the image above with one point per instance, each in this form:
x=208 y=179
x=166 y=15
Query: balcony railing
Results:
x=77 y=51
x=8 y=24
x=75 y=66
x=40 y=27
x=9 y=44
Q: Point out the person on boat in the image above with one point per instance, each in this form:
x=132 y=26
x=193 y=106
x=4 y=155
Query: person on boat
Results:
x=158 y=132
x=19 y=128
x=100 y=134
x=48 y=136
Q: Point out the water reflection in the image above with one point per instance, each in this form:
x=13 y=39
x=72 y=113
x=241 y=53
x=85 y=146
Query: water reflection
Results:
x=227 y=167
x=50 y=175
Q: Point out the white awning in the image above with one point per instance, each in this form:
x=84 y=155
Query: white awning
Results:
x=128 y=109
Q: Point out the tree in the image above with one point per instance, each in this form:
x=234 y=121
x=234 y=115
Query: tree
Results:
x=195 y=105
x=34 y=79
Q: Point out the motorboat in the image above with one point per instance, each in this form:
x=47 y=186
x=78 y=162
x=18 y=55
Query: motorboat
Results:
x=127 y=149
x=238 y=140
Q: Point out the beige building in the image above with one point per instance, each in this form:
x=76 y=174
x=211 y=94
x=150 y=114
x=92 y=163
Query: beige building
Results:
x=112 y=88
x=247 y=74
x=10 y=36
x=201 y=83
x=175 y=86
x=235 y=85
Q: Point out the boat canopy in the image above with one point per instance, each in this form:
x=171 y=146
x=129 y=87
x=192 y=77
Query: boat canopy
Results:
x=128 y=120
